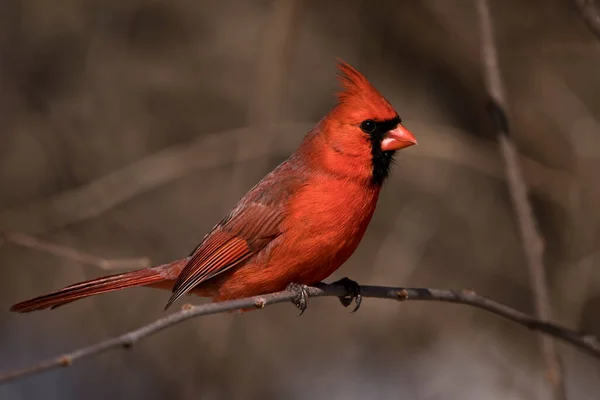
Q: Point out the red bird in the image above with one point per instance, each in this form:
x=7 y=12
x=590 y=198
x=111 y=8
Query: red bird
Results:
x=297 y=226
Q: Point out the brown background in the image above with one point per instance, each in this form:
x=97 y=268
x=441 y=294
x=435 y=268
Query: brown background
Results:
x=90 y=88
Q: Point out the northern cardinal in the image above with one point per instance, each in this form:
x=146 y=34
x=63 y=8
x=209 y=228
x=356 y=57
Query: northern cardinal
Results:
x=298 y=225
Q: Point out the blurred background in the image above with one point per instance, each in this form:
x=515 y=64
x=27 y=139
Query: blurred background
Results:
x=129 y=128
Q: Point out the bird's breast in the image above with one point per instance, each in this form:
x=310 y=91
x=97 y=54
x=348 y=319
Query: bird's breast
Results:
x=330 y=206
x=325 y=219
x=328 y=218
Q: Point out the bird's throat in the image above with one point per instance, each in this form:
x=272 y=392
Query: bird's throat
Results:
x=381 y=161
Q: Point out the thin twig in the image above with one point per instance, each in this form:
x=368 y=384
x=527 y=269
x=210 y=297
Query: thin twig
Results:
x=266 y=103
x=273 y=63
x=70 y=253
x=574 y=284
x=94 y=198
x=531 y=238
x=590 y=13
x=588 y=343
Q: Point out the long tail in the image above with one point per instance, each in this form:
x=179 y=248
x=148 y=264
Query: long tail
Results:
x=161 y=276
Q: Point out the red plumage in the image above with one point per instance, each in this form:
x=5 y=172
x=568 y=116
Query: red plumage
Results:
x=298 y=224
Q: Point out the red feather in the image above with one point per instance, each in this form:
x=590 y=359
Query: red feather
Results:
x=299 y=224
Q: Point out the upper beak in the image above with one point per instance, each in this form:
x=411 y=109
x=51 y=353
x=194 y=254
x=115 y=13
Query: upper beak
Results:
x=398 y=138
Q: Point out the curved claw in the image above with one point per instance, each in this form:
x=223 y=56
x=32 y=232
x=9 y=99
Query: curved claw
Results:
x=352 y=293
x=301 y=299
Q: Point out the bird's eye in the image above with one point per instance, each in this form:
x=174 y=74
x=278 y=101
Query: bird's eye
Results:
x=368 y=126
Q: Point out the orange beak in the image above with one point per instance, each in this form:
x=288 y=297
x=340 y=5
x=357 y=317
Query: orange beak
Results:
x=398 y=138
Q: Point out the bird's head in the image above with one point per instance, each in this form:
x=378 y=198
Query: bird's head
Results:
x=363 y=131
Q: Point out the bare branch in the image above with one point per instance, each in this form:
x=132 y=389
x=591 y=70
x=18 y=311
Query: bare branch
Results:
x=532 y=241
x=273 y=62
x=94 y=198
x=58 y=250
x=588 y=343
x=590 y=13
x=266 y=103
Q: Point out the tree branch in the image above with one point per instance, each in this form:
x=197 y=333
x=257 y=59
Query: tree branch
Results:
x=588 y=343
x=273 y=62
x=98 y=196
x=590 y=13
x=21 y=239
x=531 y=238
x=94 y=198
x=272 y=69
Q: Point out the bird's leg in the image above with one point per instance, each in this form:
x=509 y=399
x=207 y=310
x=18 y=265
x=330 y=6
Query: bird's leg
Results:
x=352 y=293
x=301 y=299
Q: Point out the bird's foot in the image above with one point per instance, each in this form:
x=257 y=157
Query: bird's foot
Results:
x=301 y=299
x=352 y=293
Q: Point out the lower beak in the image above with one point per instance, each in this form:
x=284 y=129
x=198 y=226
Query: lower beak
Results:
x=398 y=138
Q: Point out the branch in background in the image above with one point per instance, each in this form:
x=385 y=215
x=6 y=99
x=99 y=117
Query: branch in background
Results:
x=577 y=278
x=533 y=244
x=69 y=253
x=94 y=198
x=265 y=106
x=273 y=62
x=588 y=343
x=590 y=13
x=575 y=284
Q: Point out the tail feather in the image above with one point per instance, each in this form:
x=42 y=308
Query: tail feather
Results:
x=142 y=277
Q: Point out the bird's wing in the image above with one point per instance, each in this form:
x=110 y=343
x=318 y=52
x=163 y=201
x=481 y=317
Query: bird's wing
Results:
x=248 y=229
x=231 y=242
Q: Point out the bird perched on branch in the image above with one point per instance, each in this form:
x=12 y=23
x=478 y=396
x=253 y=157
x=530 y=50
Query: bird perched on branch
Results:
x=297 y=226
